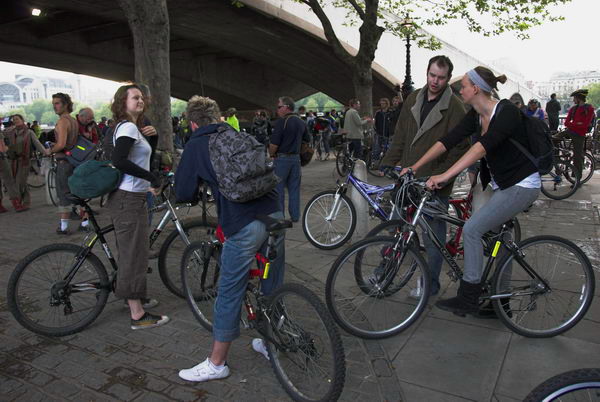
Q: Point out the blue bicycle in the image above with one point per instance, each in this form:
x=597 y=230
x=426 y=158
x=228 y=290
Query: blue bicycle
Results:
x=329 y=218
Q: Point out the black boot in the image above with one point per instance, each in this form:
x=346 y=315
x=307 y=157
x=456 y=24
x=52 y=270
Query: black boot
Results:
x=488 y=311
x=466 y=300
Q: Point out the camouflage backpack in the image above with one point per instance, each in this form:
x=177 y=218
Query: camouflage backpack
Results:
x=244 y=171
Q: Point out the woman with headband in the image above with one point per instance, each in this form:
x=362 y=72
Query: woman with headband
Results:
x=514 y=179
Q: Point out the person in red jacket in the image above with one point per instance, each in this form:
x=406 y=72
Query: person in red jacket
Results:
x=578 y=122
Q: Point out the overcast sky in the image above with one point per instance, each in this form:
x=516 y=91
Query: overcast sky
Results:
x=560 y=46
x=567 y=45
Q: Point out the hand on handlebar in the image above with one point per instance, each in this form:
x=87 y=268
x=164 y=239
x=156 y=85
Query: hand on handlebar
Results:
x=436 y=182
x=406 y=170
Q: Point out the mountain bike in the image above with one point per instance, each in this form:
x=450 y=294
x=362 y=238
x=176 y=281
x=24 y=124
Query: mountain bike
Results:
x=304 y=347
x=51 y=181
x=589 y=161
x=561 y=182
x=329 y=218
x=60 y=289
x=540 y=288
x=575 y=385
x=460 y=208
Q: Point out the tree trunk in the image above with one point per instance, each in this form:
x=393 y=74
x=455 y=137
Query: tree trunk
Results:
x=149 y=24
x=362 y=79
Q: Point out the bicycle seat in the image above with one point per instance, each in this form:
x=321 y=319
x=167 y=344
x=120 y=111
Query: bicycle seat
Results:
x=273 y=224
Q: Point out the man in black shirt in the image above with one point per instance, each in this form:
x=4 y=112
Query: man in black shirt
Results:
x=288 y=134
x=553 y=109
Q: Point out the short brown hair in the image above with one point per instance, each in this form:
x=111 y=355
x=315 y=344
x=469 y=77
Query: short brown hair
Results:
x=65 y=99
x=352 y=101
x=289 y=102
x=203 y=110
x=119 y=104
x=441 y=61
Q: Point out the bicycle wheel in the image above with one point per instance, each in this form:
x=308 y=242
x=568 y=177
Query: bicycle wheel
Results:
x=325 y=227
x=171 y=251
x=589 y=165
x=51 y=184
x=368 y=287
x=534 y=310
x=576 y=385
x=555 y=184
x=307 y=355
x=343 y=164
x=200 y=277
x=39 y=299
x=35 y=179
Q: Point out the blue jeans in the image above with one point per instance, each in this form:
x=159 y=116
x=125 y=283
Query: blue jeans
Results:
x=434 y=257
x=237 y=258
x=287 y=168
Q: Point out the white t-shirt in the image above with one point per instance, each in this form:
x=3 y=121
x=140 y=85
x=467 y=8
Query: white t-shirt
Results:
x=139 y=154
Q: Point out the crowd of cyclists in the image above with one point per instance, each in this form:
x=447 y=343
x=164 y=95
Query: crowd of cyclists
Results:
x=430 y=133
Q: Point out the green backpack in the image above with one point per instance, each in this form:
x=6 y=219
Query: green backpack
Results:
x=94 y=178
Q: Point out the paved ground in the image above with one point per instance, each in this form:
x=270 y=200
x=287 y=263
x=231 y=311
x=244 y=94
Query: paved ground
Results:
x=440 y=358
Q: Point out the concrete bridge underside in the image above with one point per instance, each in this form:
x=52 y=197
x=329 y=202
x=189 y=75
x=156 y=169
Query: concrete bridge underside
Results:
x=240 y=56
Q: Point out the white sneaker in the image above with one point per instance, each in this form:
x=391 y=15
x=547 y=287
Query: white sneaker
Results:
x=204 y=371
x=259 y=346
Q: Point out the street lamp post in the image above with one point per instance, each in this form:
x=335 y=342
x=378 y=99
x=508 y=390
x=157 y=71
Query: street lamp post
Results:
x=407 y=85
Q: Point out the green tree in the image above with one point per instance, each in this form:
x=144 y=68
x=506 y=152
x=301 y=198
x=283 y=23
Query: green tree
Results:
x=38 y=107
x=331 y=104
x=49 y=118
x=102 y=110
x=178 y=107
x=593 y=97
x=374 y=17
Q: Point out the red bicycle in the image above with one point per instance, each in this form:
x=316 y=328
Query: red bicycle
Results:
x=304 y=347
x=461 y=208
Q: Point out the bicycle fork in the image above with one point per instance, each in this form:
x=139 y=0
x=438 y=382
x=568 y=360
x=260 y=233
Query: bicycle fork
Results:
x=336 y=205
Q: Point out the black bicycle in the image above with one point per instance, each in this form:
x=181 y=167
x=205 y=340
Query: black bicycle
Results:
x=303 y=344
x=576 y=385
x=60 y=289
x=541 y=287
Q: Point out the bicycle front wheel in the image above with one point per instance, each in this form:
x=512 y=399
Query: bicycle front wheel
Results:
x=575 y=385
x=200 y=268
x=305 y=349
x=171 y=251
x=589 y=165
x=40 y=299
x=368 y=289
x=552 y=302
x=555 y=184
x=329 y=223
x=51 y=184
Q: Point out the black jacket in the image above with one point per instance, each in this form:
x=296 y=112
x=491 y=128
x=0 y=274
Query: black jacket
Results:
x=503 y=159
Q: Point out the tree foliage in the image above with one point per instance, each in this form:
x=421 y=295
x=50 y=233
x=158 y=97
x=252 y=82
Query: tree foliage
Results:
x=405 y=17
x=178 y=107
x=593 y=97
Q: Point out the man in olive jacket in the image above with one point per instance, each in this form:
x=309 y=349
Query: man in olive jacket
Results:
x=427 y=115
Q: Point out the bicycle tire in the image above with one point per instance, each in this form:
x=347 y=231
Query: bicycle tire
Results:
x=35 y=179
x=23 y=306
x=200 y=280
x=321 y=205
x=295 y=327
x=557 y=181
x=514 y=318
x=555 y=388
x=364 y=318
x=343 y=164
x=51 y=184
x=589 y=165
x=171 y=251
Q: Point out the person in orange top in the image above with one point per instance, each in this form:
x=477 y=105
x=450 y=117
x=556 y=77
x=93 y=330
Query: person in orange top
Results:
x=578 y=122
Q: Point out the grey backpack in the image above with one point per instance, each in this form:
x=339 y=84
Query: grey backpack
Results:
x=244 y=171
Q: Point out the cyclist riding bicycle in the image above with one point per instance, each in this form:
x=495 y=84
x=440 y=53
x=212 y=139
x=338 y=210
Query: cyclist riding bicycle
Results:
x=514 y=178
x=245 y=237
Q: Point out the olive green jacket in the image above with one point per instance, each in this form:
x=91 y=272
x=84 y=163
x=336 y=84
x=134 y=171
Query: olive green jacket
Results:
x=411 y=139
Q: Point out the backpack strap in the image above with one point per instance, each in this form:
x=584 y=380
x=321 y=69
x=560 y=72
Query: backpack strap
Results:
x=115 y=132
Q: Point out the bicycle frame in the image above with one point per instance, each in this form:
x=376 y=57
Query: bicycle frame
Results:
x=366 y=190
x=498 y=240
